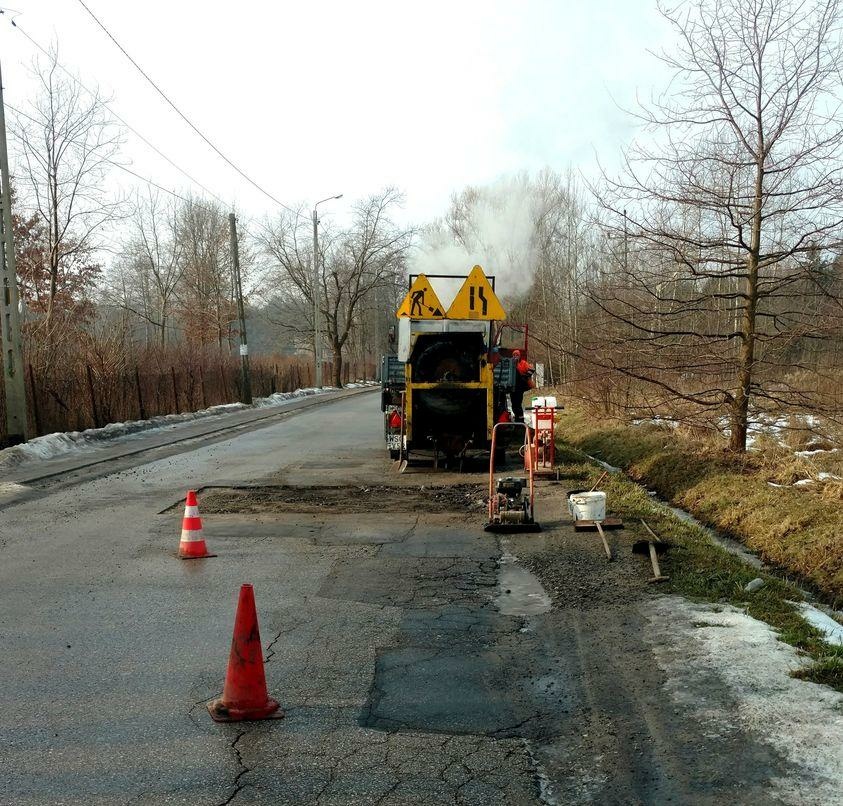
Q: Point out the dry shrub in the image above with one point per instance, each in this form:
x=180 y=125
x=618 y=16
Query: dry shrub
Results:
x=798 y=436
x=832 y=491
x=779 y=465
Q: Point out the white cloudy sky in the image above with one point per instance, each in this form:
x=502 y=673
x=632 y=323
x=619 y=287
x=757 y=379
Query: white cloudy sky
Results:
x=313 y=99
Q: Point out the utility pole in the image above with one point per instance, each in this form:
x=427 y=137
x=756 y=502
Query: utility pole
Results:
x=10 y=338
x=245 y=375
x=317 y=336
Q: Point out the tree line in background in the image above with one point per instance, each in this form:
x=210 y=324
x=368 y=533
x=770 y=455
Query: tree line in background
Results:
x=701 y=283
x=129 y=300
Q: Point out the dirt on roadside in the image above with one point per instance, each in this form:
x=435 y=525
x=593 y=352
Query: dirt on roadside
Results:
x=349 y=499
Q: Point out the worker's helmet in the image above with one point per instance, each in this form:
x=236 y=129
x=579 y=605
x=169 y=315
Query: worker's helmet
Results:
x=516 y=353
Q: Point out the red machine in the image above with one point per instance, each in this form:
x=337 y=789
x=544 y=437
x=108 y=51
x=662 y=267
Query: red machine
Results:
x=511 y=499
x=543 y=440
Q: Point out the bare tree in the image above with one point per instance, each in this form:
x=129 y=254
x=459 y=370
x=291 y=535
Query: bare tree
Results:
x=206 y=292
x=369 y=254
x=355 y=262
x=731 y=212
x=66 y=142
x=152 y=267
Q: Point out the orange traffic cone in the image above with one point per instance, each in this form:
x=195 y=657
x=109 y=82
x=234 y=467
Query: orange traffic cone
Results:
x=192 y=544
x=244 y=696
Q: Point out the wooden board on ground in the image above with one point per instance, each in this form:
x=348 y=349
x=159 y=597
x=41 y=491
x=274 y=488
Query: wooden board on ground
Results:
x=591 y=526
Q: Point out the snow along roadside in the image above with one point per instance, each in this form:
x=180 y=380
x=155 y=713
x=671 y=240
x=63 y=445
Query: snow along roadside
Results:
x=803 y=721
x=50 y=446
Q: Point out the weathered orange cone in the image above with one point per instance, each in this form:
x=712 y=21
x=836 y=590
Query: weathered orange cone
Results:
x=192 y=544
x=244 y=696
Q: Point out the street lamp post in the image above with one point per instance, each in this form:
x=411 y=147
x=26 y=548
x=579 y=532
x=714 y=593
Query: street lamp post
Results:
x=317 y=340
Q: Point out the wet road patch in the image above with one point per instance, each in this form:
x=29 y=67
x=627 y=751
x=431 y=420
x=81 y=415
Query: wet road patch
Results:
x=462 y=672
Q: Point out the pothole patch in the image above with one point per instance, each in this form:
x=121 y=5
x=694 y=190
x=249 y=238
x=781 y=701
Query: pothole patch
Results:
x=349 y=499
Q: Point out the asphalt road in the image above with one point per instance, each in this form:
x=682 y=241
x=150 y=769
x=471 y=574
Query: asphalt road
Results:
x=418 y=659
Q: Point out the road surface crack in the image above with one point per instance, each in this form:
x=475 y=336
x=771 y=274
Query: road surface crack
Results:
x=511 y=731
x=238 y=787
x=403 y=536
x=270 y=647
x=192 y=716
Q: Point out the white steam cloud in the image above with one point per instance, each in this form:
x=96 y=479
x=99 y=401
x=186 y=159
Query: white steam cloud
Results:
x=496 y=229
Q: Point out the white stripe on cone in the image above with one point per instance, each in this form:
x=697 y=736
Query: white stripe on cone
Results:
x=191 y=536
x=191 y=512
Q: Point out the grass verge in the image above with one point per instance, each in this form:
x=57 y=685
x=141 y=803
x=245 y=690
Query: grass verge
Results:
x=701 y=570
x=794 y=529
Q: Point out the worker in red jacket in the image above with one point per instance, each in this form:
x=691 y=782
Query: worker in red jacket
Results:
x=523 y=381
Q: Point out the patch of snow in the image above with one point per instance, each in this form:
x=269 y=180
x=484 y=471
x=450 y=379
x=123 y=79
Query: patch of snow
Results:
x=604 y=465
x=805 y=454
x=668 y=421
x=775 y=425
x=802 y=721
x=831 y=629
x=822 y=476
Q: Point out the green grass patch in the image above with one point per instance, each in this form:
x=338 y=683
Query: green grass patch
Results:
x=701 y=570
x=828 y=671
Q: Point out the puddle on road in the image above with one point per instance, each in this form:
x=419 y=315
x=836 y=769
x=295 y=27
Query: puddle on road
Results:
x=520 y=593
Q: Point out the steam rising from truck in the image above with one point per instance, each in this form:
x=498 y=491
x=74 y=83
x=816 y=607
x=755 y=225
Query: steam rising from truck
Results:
x=494 y=226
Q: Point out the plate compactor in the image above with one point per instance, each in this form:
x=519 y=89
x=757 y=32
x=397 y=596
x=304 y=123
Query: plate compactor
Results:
x=511 y=498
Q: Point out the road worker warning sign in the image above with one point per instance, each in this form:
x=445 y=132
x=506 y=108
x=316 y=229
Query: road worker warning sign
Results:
x=476 y=300
x=421 y=302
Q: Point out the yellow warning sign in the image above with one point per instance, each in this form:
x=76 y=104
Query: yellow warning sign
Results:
x=421 y=302
x=476 y=299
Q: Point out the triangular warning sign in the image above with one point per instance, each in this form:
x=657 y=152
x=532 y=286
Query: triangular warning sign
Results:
x=421 y=302
x=476 y=300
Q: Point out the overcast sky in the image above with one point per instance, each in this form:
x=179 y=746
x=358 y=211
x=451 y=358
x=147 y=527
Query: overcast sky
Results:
x=317 y=98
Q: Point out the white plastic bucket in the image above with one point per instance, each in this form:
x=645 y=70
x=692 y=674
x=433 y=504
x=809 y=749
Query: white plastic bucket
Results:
x=588 y=506
x=547 y=402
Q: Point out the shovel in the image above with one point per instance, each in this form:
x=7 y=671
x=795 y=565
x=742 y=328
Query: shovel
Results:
x=652 y=547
